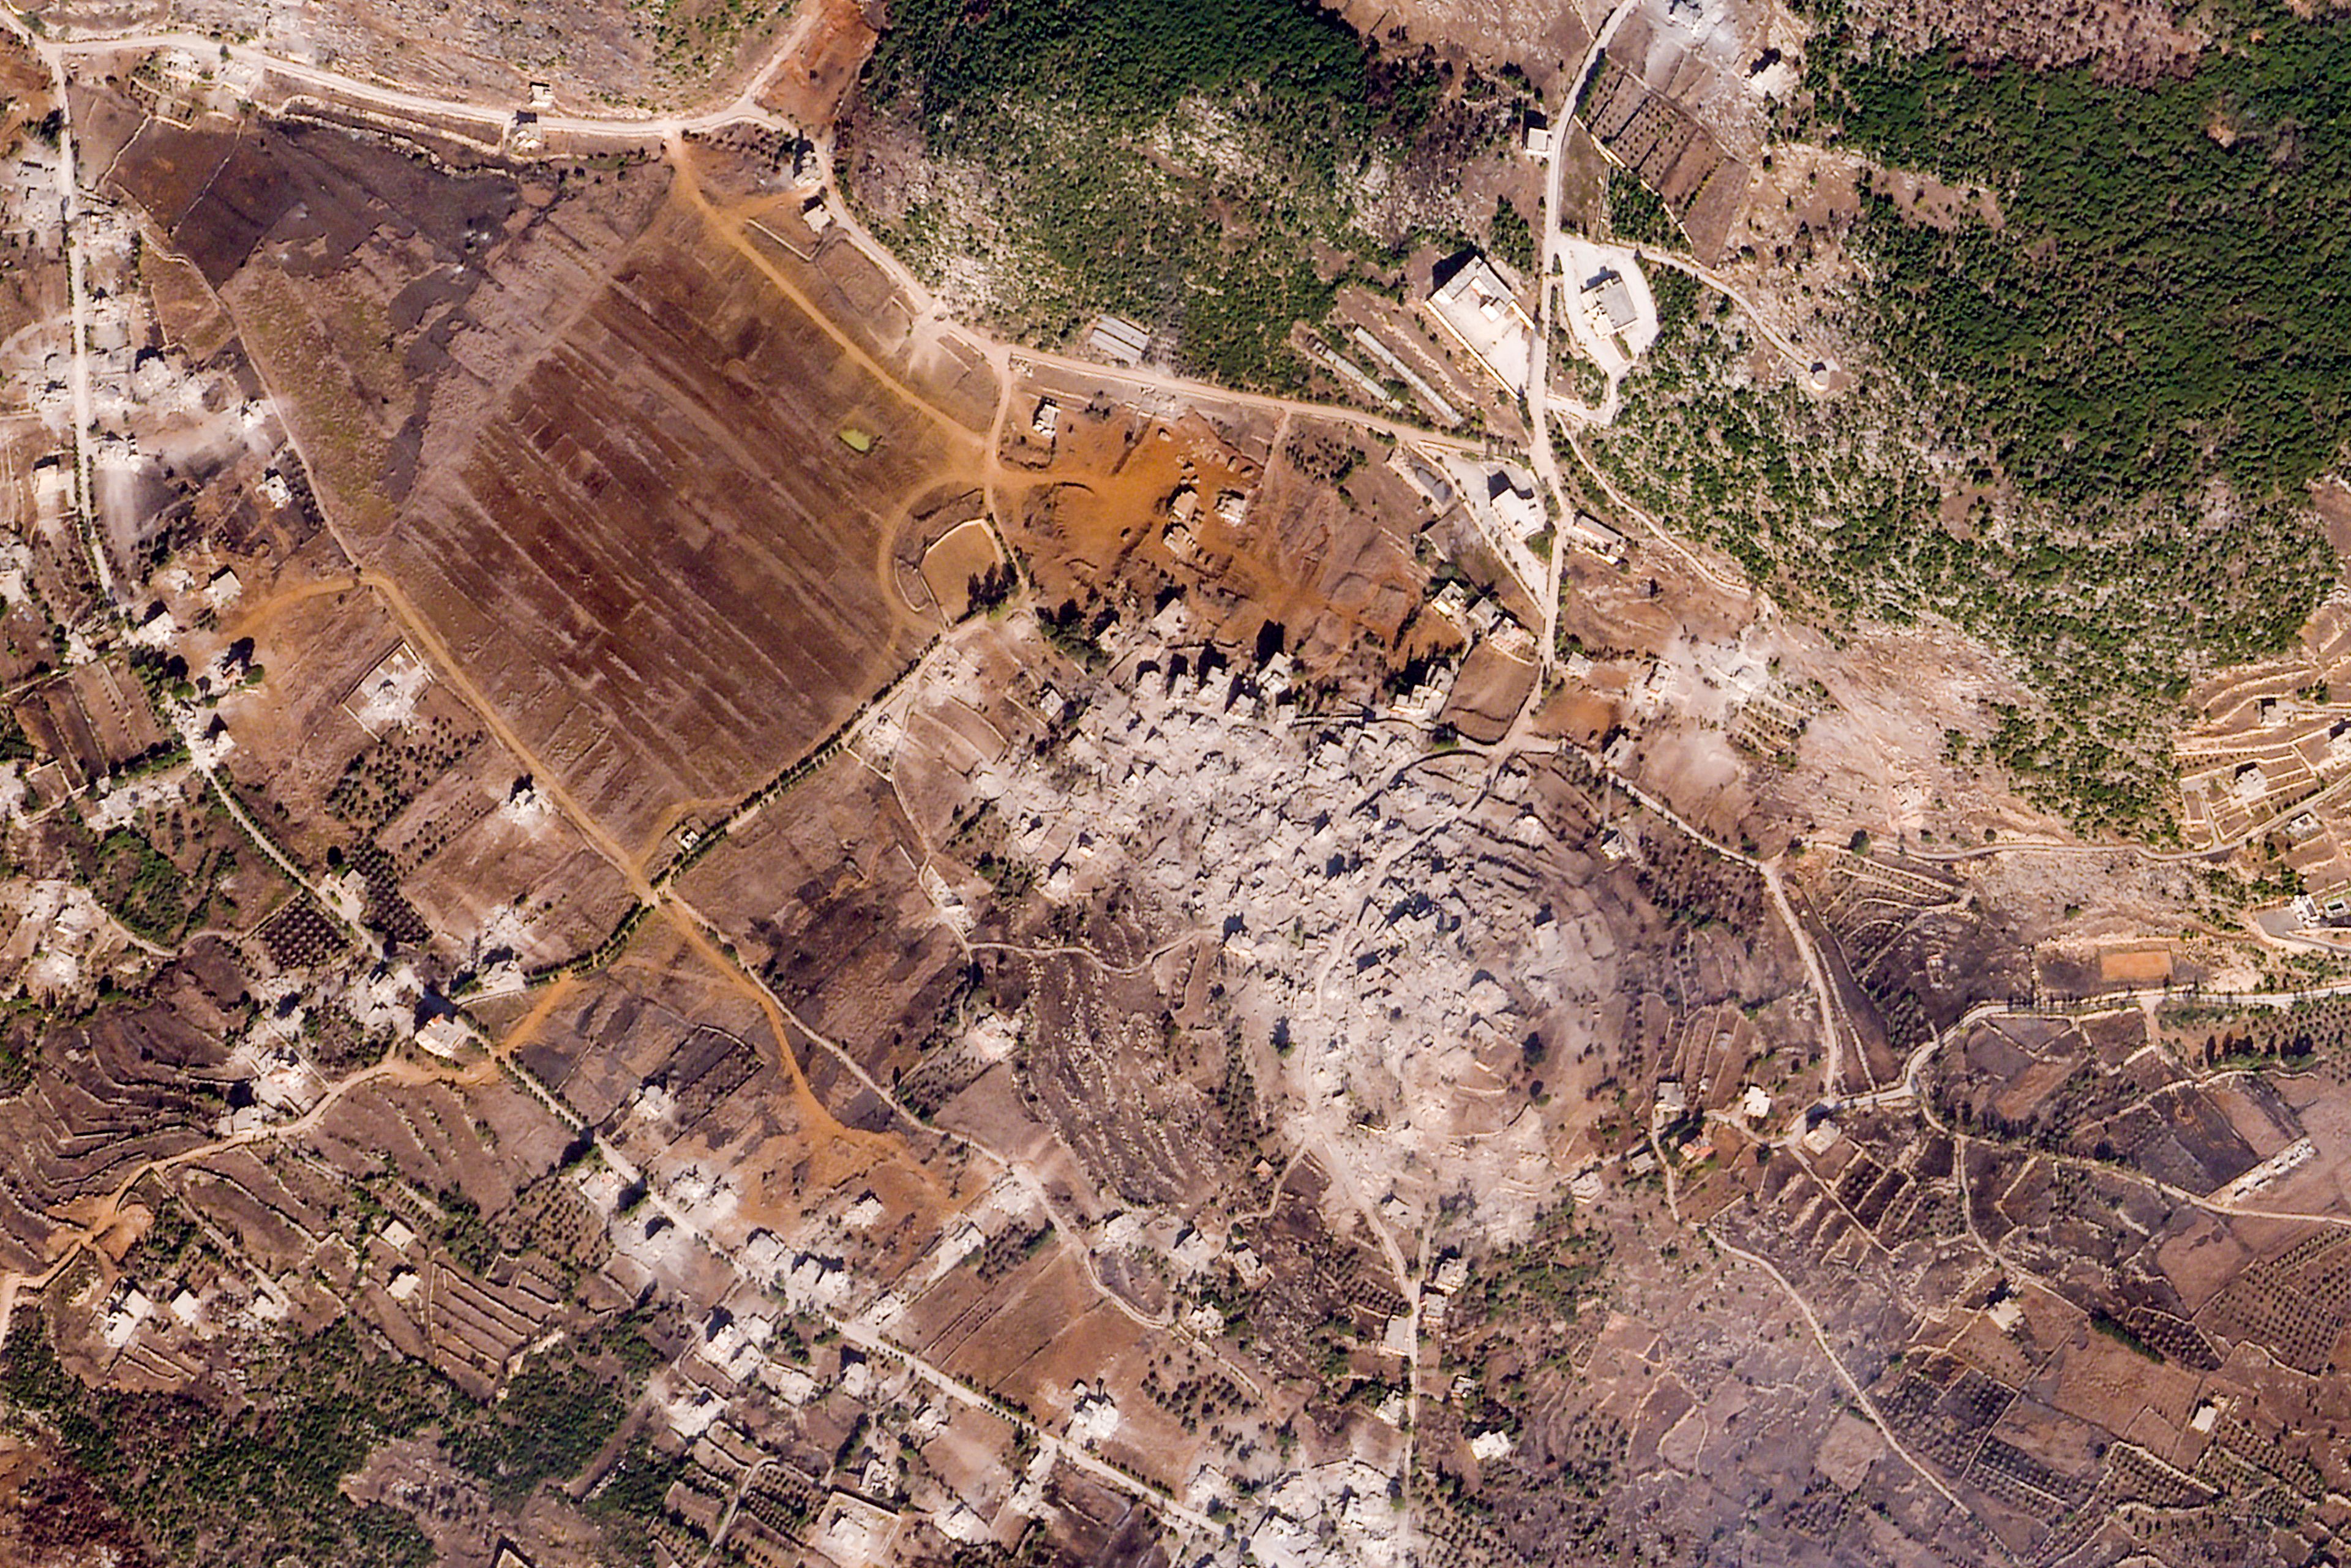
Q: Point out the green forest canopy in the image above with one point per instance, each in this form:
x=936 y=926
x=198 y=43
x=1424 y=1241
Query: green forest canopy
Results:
x=1057 y=100
x=1113 y=57
x=2166 y=298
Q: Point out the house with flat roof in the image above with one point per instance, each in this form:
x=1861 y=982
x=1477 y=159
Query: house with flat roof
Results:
x=1610 y=300
x=1481 y=314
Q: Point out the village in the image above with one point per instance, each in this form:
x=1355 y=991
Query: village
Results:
x=905 y=948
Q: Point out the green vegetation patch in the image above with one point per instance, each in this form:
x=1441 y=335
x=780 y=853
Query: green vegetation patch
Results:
x=1833 y=505
x=261 y=1486
x=2103 y=414
x=143 y=888
x=1638 y=215
x=630 y=1499
x=1513 y=238
x=554 y=1417
x=1194 y=168
x=1117 y=57
x=2163 y=301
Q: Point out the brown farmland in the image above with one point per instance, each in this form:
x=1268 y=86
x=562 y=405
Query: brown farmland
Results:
x=627 y=500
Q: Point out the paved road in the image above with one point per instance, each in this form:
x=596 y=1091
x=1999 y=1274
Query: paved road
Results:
x=744 y=107
x=1539 y=399
x=1194 y=392
x=1540 y=404
x=70 y=198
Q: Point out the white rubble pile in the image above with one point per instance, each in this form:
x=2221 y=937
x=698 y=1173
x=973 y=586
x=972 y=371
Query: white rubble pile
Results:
x=1376 y=903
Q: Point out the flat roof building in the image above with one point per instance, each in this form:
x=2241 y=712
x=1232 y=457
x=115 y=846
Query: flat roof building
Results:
x=1596 y=536
x=1610 y=300
x=1517 y=507
x=1482 y=315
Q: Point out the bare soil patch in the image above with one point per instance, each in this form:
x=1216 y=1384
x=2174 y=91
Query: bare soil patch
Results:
x=1491 y=689
x=585 y=464
x=952 y=565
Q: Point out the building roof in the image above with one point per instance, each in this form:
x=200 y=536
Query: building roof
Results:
x=1610 y=292
x=1478 y=308
x=1118 y=339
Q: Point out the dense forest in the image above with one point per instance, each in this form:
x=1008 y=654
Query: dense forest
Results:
x=1183 y=166
x=2163 y=299
x=1123 y=59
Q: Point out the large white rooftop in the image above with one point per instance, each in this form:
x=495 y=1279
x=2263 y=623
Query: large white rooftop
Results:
x=1478 y=308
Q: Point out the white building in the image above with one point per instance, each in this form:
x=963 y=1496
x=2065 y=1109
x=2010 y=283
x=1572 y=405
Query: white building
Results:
x=1481 y=314
x=1516 y=504
x=1119 y=341
x=1595 y=535
x=1490 y=1446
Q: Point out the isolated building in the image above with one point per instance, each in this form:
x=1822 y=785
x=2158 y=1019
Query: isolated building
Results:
x=1117 y=339
x=1610 y=299
x=1480 y=312
x=1490 y=1446
x=1515 y=503
x=1595 y=535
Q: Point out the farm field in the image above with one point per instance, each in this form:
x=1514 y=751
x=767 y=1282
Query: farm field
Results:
x=798 y=786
